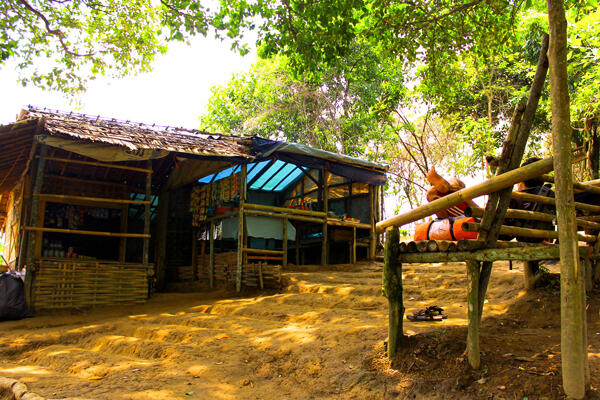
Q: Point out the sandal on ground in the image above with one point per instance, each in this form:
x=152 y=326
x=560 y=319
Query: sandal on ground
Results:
x=432 y=313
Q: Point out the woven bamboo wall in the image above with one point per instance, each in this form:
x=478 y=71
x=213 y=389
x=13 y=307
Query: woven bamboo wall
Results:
x=73 y=285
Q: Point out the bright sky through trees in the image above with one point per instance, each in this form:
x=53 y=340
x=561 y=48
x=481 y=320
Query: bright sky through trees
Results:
x=174 y=93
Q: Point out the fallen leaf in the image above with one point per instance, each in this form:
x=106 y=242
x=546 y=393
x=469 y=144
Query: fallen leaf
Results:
x=95 y=377
x=222 y=337
x=507 y=355
x=481 y=381
x=502 y=387
x=190 y=393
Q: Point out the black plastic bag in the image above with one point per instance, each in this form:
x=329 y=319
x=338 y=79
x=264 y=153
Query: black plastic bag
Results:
x=12 y=298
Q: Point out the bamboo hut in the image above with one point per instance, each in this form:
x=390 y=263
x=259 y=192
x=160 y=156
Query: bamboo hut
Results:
x=100 y=211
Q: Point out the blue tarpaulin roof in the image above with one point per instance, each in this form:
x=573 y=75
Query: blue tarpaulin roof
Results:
x=278 y=164
x=275 y=177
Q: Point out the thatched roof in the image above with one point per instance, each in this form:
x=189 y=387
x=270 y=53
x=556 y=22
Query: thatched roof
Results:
x=137 y=136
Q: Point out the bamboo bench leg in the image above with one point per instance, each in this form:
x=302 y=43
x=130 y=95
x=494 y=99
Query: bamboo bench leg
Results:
x=392 y=289
x=473 y=314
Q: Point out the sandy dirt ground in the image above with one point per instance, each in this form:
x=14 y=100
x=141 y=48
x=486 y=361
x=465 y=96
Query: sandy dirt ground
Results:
x=320 y=337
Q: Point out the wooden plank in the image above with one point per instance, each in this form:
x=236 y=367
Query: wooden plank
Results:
x=262 y=251
x=274 y=258
x=99 y=164
x=86 y=233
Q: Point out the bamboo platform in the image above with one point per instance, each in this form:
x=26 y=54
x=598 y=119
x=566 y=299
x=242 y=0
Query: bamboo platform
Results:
x=72 y=284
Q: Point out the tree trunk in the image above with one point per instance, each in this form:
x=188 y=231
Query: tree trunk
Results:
x=573 y=351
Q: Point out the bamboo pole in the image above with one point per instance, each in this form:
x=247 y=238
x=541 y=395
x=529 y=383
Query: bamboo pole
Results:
x=373 y=221
x=146 y=248
x=252 y=206
x=527 y=232
x=586 y=187
x=325 y=246
x=531 y=215
x=494 y=184
x=33 y=217
x=211 y=255
x=392 y=290
x=542 y=252
x=472 y=245
x=573 y=352
x=282 y=216
x=56 y=197
x=123 y=241
x=86 y=233
x=240 y=253
x=99 y=164
x=195 y=253
x=162 y=221
x=354 y=245
x=285 y=243
x=297 y=245
x=473 y=314
x=552 y=201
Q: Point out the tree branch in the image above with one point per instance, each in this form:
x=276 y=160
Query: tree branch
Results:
x=56 y=32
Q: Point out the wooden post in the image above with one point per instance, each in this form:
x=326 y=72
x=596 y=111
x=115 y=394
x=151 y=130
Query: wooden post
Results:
x=573 y=351
x=324 y=249
x=240 y=249
x=33 y=218
x=285 y=243
x=194 y=254
x=123 y=241
x=373 y=221
x=392 y=289
x=473 y=314
x=161 y=238
x=531 y=273
x=297 y=245
x=211 y=255
x=147 y=212
x=353 y=245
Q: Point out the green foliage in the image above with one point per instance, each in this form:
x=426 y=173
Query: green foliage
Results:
x=60 y=45
x=330 y=110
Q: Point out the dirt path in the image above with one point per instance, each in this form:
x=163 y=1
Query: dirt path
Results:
x=321 y=337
